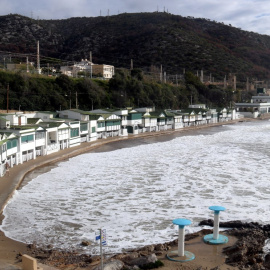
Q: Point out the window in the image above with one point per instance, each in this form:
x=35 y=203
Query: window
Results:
x=4 y=148
x=62 y=131
x=93 y=129
x=134 y=116
x=101 y=124
x=40 y=135
x=113 y=123
x=27 y=138
x=84 y=127
x=74 y=132
x=11 y=143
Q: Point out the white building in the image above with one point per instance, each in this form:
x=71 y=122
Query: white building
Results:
x=90 y=69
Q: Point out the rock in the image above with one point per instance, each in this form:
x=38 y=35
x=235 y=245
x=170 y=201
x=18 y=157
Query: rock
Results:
x=85 y=243
x=160 y=247
x=247 y=251
x=267 y=261
x=143 y=260
x=149 y=248
x=129 y=257
x=207 y=222
x=113 y=265
x=144 y=253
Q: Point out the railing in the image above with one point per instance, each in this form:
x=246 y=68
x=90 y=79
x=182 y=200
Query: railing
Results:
x=24 y=158
x=83 y=139
x=52 y=146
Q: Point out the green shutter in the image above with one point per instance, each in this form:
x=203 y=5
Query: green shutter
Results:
x=27 y=138
x=9 y=145
x=74 y=132
x=83 y=127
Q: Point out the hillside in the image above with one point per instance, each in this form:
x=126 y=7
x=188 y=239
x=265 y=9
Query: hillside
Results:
x=150 y=39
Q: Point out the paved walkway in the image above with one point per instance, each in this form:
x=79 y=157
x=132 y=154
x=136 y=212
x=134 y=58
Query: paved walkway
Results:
x=7 y=266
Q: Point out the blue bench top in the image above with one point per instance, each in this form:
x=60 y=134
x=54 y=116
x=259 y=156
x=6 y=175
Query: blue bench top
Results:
x=181 y=222
x=217 y=208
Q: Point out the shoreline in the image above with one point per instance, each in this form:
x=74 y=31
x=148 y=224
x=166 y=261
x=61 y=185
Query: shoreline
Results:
x=9 y=248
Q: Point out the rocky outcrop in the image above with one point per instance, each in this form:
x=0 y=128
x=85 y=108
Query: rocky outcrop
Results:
x=246 y=253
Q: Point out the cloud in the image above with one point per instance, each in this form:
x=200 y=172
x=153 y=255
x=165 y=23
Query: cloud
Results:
x=249 y=15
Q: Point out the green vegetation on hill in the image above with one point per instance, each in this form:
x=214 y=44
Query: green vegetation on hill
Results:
x=125 y=89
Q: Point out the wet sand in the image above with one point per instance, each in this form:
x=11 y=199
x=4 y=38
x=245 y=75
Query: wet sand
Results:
x=9 y=249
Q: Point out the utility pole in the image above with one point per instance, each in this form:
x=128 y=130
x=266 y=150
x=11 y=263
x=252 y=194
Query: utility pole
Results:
x=202 y=76
x=27 y=65
x=38 y=61
x=131 y=64
x=91 y=57
x=161 y=73
x=234 y=83
x=7 y=95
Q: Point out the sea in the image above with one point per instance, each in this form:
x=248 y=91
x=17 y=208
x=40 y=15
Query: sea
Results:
x=133 y=190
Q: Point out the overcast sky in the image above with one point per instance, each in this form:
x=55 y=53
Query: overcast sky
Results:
x=250 y=15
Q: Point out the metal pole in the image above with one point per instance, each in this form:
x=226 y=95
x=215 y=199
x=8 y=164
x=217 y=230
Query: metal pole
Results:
x=101 y=255
x=216 y=225
x=7 y=95
x=181 y=241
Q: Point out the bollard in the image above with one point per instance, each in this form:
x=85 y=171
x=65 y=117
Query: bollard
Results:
x=181 y=255
x=216 y=238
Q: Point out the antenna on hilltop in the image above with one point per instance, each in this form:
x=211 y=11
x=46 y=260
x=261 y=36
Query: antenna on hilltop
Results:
x=108 y=12
x=157 y=8
x=100 y=13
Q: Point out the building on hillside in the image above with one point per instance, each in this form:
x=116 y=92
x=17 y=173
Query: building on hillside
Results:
x=104 y=71
x=89 y=69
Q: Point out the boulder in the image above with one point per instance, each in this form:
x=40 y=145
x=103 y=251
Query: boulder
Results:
x=143 y=260
x=112 y=265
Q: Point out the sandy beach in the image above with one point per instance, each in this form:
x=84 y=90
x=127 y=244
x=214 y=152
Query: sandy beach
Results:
x=207 y=256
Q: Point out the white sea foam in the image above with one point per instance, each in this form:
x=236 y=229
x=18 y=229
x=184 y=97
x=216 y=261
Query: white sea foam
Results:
x=135 y=193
